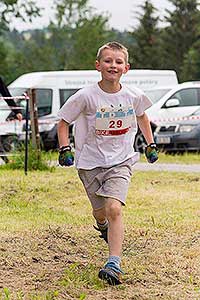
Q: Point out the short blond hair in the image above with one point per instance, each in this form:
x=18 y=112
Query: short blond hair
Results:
x=113 y=46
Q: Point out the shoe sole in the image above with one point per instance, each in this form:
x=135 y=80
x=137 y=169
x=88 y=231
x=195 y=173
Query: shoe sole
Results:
x=109 y=276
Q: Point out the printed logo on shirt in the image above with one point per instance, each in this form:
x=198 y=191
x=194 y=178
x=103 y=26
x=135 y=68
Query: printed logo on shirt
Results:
x=114 y=120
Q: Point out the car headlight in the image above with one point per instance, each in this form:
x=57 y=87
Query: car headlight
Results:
x=186 y=128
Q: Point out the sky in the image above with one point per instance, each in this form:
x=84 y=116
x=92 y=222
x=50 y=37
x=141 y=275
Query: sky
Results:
x=123 y=13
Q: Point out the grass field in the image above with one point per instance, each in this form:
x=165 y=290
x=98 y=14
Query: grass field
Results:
x=49 y=249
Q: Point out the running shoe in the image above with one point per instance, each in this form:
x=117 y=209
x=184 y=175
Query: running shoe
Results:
x=111 y=275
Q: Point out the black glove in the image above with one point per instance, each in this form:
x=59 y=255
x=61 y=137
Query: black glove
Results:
x=151 y=152
x=66 y=157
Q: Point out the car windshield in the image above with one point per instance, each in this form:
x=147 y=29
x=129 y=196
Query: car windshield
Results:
x=156 y=95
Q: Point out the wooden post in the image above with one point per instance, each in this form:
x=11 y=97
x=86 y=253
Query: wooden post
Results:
x=34 y=123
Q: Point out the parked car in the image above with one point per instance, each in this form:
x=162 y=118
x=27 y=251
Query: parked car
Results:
x=176 y=101
x=179 y=134
x=171 y=102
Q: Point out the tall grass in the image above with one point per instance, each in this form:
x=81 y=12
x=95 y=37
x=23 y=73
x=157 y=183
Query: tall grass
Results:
x=37 y=160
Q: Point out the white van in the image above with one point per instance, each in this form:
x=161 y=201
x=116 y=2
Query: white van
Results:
x=53 y=88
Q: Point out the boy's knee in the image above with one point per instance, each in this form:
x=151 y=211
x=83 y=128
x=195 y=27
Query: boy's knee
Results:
x=114 y=210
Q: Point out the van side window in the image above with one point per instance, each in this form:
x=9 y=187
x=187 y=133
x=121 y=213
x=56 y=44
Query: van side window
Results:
x=187 y=97
x=44 y=101
x=65 y=94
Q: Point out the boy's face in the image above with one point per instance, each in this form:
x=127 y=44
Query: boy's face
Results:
x=112 y=65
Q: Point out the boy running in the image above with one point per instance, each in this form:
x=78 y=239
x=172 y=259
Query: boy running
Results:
x=106 y=115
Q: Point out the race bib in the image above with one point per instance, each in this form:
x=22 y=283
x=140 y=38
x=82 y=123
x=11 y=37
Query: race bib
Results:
x=114 y=120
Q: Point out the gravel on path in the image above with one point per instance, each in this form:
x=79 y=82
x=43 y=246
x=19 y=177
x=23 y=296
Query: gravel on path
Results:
x=193 y=168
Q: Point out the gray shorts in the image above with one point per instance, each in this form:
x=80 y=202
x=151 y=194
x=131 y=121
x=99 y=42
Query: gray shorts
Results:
x=101 y=183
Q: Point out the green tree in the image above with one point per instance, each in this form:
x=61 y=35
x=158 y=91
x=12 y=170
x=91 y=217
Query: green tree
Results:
x=89 y=35
x=3 y=61
x=22 y=54
x=191 y=64
x=145 y=52
x=84 y=30
x=70 y=12
x=32 y=51
x=67 y=48
x=9 y=9
x=180 y=34
x=70 y=42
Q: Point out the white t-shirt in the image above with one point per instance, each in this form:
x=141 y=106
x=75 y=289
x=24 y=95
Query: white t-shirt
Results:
x=105 y=124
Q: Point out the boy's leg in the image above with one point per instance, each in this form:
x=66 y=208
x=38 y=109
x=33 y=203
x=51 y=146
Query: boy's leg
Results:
x=116 y=230
x=111 y=271
x=107 y=190
x=113 y=213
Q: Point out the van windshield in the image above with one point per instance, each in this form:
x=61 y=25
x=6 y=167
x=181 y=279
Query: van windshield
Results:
x=43 y=97
x=17 y=91
x=155 y=95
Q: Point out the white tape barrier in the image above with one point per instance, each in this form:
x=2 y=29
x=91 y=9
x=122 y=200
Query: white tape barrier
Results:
x=40 y=122
x=25 y=97
x=176 y=119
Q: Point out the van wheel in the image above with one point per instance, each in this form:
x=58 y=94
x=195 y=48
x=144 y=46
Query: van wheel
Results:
x=140 y=143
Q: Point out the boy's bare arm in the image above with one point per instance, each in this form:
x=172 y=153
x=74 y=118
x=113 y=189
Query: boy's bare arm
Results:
x=63 y=133
x=145 y=127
